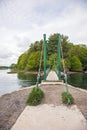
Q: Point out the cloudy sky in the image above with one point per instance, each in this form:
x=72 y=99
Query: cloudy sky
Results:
x=25 y=21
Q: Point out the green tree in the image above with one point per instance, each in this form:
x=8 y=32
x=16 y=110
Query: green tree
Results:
x=52 y=44
x=13 y=66
x=66 y=45
x=37 y=46
x=76 y=65
x=52 y=61
x=66 y=64
x=81 y=52
x=22 y=60
x=33 y=61
x=31 y=58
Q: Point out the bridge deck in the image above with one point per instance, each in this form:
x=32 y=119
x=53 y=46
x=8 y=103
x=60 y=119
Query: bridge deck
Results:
x=52 y=114
x=52 y=76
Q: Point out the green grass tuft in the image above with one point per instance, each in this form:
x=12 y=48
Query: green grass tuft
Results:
x=67 y=98
x=35 y=97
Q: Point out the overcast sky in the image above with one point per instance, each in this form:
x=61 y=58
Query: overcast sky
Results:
x=25 y=21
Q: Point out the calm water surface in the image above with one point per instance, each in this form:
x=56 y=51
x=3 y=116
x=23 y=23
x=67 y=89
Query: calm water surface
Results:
x=11 y=82
x=78 y=80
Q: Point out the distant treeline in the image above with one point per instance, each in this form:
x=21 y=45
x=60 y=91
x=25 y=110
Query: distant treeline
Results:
x=4 y=67
x=74 y=56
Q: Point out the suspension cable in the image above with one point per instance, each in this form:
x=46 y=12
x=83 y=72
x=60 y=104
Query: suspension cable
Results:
x=63 y=59
x=41 y=59
x=65 y=76
x=39 y=70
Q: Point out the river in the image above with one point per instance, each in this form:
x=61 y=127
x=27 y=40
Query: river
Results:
x=11 y=82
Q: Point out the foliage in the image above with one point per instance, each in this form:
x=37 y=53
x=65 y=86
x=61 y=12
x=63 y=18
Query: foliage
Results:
x=35 y=97
x=66 y=46
x=52 y=61
x=4 y=67
x=22 y=60
x=76 y=65
x=52 y=45
x=37 y=46
x=80 y=52
x=30 y=60
x=65 y=98
x=74 y=56
x=67 y=64
x=13 y=66
x=33 y=61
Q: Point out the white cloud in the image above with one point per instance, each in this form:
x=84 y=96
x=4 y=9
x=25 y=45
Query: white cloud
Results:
x=24 y=21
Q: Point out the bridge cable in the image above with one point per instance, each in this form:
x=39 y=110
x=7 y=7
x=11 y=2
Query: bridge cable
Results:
x=65 y=76
x=39 y=70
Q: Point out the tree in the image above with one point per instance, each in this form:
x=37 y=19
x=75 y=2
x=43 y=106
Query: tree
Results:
x=37 y=46
x=33 y=61
x=76 y=65
x=52 y=61
x=22 y=60
x=13 y=66
x=52 y=45
x=81 y=52
x=29 y=59
x=66 y=45
x=66 y=64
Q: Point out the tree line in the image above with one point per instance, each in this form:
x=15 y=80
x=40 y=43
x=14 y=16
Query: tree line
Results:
x=73 y=56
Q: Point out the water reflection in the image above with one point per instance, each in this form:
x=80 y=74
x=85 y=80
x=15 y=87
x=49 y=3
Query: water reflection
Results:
x=26 y=79
x=78 y=80
x=11 y=82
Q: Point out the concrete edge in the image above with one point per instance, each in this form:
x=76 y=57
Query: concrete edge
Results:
x=20 y=89
x=82 y=90
x=44 y=83
x=73 y=108
x=51 y=83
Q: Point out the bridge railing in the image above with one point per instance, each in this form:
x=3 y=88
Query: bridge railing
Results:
x=56 y=70
x=47 y=71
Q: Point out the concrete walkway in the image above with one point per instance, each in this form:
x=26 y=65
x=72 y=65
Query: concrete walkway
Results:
x=52 y=76
x=50 y=117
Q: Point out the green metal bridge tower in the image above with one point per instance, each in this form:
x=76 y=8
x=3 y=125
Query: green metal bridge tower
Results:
x=58 y=56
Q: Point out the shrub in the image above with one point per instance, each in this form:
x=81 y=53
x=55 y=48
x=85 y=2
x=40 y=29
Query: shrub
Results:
x=67 y=98
x=35 y=97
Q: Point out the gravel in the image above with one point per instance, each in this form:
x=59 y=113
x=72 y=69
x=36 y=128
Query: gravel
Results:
x=12 y=104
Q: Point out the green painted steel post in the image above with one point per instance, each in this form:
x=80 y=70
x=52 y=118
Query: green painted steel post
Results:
x=67 y=90
x=59 y=56
x=44 y=56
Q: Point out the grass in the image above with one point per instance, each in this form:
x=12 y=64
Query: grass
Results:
x=35 y=97
x=67 y=98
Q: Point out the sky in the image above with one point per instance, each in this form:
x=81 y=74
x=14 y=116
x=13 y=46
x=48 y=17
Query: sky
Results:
x=23 y=22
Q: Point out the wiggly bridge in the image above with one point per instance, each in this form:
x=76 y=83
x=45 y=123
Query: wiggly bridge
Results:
x=58 y=70
x=45 y=116
x=52 y=76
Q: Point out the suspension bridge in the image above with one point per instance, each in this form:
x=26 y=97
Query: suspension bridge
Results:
x=51 y=114
x=52 y=76
x=58 y=69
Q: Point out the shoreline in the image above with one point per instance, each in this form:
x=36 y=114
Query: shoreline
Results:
x=12 y=104
x=36 y=72
x=29 y=87
x=25 y=72
x=20 y=89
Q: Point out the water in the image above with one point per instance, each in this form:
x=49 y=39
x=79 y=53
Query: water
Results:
x=78 y=80
x=11 y=82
